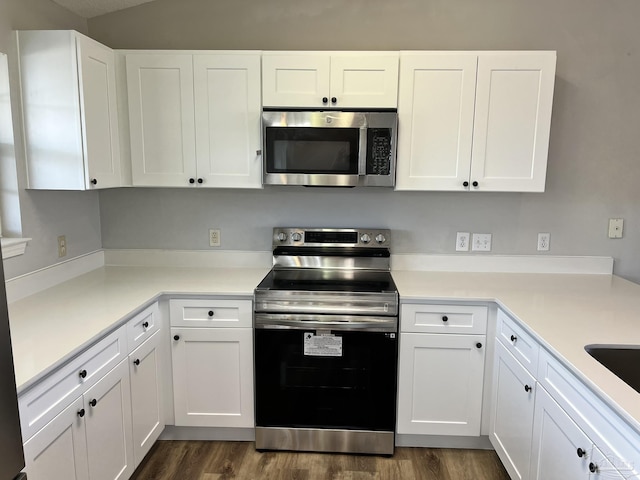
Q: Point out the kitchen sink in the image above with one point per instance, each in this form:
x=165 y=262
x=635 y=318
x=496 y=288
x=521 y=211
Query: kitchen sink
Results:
x=622 y=360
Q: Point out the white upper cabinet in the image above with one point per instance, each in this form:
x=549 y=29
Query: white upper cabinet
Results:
x=474 y=121
x=68 y=90
x=228 y=110
x=330 y=79
x=194 y=119
x=161 y=119
x=512 y=120
x=435 y=120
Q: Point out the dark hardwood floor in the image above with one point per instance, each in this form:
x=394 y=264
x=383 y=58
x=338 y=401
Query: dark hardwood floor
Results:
x=197 y=460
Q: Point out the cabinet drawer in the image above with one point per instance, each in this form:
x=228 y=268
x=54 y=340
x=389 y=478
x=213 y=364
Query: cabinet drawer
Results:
x=443 y=319
x=211 y=313
x=45 y=400
x=613 y=436
x=142 y=326
x=518 y=342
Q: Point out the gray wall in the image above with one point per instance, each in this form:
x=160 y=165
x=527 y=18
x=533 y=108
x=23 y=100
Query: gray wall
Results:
x=594 y=157
x=45 y=215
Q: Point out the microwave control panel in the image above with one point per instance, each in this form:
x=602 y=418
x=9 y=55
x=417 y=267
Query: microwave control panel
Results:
x=379 y=149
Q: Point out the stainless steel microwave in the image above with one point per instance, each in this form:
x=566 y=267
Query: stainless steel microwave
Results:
x=330 y=148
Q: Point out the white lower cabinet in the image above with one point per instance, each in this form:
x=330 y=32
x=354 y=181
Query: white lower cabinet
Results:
x=90 y=439
x=561 y=450
x=146 y=396
x=108 y=426
x=213 y=377
x=212 y=355
x=59 y=450
x=441 y=377
x=441 y=369
x=512 y=405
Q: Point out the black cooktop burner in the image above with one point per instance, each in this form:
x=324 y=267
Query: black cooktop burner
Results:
x=328 y=280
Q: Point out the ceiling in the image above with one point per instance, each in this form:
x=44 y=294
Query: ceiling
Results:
x=93 y=8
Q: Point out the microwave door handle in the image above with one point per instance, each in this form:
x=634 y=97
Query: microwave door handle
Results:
x=362 y=152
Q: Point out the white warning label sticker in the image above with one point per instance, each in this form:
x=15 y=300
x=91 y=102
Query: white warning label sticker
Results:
x=322 y=345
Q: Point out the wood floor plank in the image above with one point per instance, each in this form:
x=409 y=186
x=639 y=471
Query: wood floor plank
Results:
x=199 y=460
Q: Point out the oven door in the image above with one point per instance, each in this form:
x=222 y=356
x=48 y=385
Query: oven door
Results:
x=319 y=374
x=314 y=148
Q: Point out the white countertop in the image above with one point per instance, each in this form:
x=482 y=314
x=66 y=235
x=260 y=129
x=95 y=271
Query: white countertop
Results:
x=564 y=311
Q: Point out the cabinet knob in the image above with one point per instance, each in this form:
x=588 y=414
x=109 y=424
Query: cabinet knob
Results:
x=176 y=337
x=210 y=313
x=514 y=339
x=445 y=318
x=94 y=181
x=93 y=402
x=192 y=181
x=334 y=100
x=478 y=345
x=475 y=184
x=465 y=184
x=258 y=152
x=200 y=180
x=593 y=468
x=145 y=324
x=325 y=100
x=581 y=452
x=136 y=362
x=527 y=388
x=81 y=412
x=83 y=374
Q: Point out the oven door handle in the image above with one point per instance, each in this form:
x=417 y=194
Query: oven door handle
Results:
x=326 y=322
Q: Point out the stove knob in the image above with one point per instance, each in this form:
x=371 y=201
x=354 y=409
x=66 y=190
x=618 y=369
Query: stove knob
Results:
x=296 y=236
x=281 y=236
x=365 y=238
x=380 y=238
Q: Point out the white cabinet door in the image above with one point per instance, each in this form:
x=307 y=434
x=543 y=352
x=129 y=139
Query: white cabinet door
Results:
x=435 y=120
x=228 y=112
x=213 y=377
x=364 y=81
x=108 y=426
x=68 y=100
x=161 y=116
x=512 y=121
x=295 y=79
x=99 y=113
x=325 y=80
x=146 y=396
x=560 y=449
x=59 y=450
x=440 y=380
x=512 y=409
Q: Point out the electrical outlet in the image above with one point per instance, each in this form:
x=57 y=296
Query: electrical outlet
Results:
x=62 y=246
x=615 y=227
x=543 y=241
x=481 y=242
x=462 y=242
x=214 y=237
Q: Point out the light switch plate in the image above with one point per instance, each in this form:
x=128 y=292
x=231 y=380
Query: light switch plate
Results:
x=481 y=242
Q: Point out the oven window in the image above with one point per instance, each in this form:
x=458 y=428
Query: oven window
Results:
x=312 y=150
x=356 y=390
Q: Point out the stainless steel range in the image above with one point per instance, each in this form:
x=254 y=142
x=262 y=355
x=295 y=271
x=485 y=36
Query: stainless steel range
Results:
x=326 y=343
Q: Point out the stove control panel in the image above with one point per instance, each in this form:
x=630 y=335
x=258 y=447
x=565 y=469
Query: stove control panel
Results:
x=327 y=237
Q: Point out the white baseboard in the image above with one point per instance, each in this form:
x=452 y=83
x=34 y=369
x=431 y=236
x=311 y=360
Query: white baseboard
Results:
x=172 y=432
x=38 y=280
x=503 y=263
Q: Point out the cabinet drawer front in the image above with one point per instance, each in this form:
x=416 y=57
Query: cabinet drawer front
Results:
x=518 y=342
x=614 y=437
x=142 y=326
x=211 y=313
x=45 y=400
x=443 y=319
